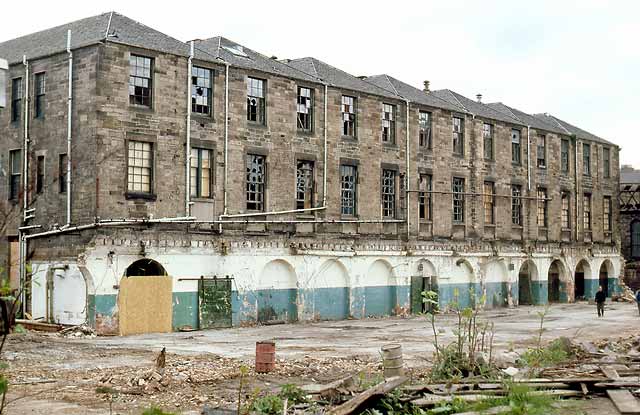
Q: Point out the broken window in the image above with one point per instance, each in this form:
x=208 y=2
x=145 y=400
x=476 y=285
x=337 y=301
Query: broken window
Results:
x=348 y=191
x=388 y=123
x=564 y=155
x=635 y=239
x=201 y=162
x=388 y=193
x=566 y=211
x=304 y=184
x=255 y=100
x=40 y=174
x=256 y=179
x=606 y=163
x=542 y=207
x=586 y=207
x=607 y=214
x=488 y=198
x=16 y=99
x=62 y=173
x=201 y=91
x=586 y=159
x=305 y=108
x=424 y=198
x=15 y=165
x=487 y=136
x=458 y=136
x=425 y=129
x=516 y=204
x=458 y=199
x=140 y=167
x=39 y=92
x=515 y=146
x=542 y=151
x=140 y=81
x=348 y=116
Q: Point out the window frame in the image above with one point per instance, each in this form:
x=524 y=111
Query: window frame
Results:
x=425 y=129
x=565 y=163
x=586 y=159
x=199 y=170
x=15 y=174
x=40 y=173
x=542 y=208
x=150 y=84
x=309 y=105
x=565 y=211
x=351 y=189
x=489 y=202
x=458 y=136
x=635 y=238
x=607 y=214
x=587 y=213
x=17 y=95
x=606 y=162
x=458 y=198
x=62 y=172
x=388 y=119
x=487 y=141
x=309 y=186
x=39 y=94
x=195 y=75
x=261 y=101
x=131 y=191
x=516 y=147
x=425 y=199
x=516 y=205
x=541 y=162
x=260 y=185
x=349 y=117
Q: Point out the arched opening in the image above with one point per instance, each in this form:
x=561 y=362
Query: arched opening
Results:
x=380 y=290
x=278 y=293
x=606 y=275
x=145 y=268
x=527 y=294
x=331 y=301
x=496 y=284
x=424 y=279
x=582 y=273
x=555 y=277
x=635 y=239
x=461 y=290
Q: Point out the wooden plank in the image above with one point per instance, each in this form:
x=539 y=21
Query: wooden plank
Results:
x=583 y=387
x=320 y=389
x=624 y=401
x=433 y=400
x=352 y=405
x=610 y=372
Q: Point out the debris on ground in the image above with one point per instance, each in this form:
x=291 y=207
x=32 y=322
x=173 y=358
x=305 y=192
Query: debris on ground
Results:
x=78 y=331
x=625 y=295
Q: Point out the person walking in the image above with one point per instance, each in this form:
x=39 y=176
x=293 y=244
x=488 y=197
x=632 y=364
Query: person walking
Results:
x=600 y=299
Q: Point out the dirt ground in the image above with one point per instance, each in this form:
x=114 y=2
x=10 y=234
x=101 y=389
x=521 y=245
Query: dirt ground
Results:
x=51 y=375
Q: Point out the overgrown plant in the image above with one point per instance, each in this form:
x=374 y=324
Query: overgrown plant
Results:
x=543 y=356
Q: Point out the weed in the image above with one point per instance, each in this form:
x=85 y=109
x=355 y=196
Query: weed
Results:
x=293 y=394
x=269 y=404
x=551 y=355
x=156 y=411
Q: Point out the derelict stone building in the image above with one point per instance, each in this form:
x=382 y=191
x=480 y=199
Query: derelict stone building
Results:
x=308 y=193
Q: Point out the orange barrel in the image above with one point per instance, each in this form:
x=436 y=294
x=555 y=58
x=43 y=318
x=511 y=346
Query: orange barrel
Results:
x=392 y=360
x=265 y=357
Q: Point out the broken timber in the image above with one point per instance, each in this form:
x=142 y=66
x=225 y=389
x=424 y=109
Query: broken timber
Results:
x=624 y=401
x=352 y=406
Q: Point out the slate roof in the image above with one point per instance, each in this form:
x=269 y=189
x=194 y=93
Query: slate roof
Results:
x=528 y=119
x=88 y=31
x=474 y=107
x=411 y=93
x=628 y=176
x=337 y=77
x=242 y=57
x=572 y=129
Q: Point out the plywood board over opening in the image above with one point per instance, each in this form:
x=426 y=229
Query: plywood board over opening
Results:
x=145 y=305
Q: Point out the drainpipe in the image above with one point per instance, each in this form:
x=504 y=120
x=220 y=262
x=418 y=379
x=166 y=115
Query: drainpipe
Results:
x=407 y=160
x=324 y=174
x=25 y=146
x=528 y=158
x=575 y=174
x=187 y=192
x=69 y=108
x=226 y=135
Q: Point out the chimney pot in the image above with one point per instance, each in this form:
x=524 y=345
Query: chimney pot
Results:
x=479 y=98
x=426 y=87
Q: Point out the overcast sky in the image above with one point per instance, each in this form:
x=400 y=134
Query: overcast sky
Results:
x=578 y=60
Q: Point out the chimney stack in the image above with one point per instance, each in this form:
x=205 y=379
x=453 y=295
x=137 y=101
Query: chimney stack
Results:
x=426 y=87
x=479 y=98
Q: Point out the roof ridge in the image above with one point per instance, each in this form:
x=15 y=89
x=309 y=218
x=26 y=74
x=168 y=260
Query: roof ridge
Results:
x=55 y=27
x=395 y=90
x=457 y=100
x=558 y=122
x=511 y=112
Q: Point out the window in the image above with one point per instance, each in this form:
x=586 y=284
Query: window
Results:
x=305 y=108
x=62 y=173
x=488 y=201
x=16 y=99
x=388 y=123
x=542 y=207
x=566 y=211
x=201 y=91
x=586 y=207
x=348 y=189
x=607 y=214
x=348 y=116
x=140 y=81
x=542 y=151
x=39 y=95
x=458 y=136
x=140 y=167
x=304 y=184
x=515 y=146
x=635 y=239
x=487 y=137
x=586 y=159
x=256 y=179
x=564 y=155
x=255 y=100
x=40 y=174
x=516 y=204
x=201 y=162
x=458 y=199
x=15 y=165
x=424 y=198
x=424 y=119
x=388 y=193
x=606 y=163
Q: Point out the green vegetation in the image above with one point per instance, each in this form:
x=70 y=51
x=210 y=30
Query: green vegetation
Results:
x=156 y=411
x=540 y=357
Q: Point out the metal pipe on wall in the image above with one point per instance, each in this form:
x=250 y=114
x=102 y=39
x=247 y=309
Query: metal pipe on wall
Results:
x=528 y=158
x=575 y=174
x=69 y=109
x=22 y=269
x=408 y=191
x=187 y=191
x=324 y=174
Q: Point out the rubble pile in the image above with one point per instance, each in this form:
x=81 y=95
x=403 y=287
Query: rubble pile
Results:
x=626 y=295
x=78 y=331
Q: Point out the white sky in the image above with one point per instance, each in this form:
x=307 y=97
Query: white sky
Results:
x=578 y=60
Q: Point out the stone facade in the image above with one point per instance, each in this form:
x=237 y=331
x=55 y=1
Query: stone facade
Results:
x=302 y=265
